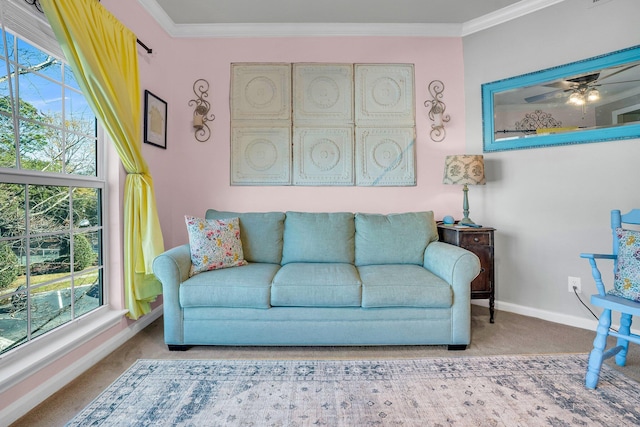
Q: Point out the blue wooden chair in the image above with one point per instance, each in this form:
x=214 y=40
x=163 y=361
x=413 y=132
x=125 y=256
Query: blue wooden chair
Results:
x=608 y=302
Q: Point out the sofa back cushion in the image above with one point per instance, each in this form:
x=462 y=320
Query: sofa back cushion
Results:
x=261 y=234
x=394 y=238
x=318 y=237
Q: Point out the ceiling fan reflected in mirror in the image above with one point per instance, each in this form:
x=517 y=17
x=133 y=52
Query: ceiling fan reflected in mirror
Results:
x=585 y=91
x=580 y=90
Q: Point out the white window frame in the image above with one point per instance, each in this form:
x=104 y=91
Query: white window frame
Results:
x=24 y=361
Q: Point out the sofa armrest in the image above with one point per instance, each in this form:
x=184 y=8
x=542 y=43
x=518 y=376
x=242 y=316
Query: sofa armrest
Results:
x=172 y=268
x=458 y=267
x=173 y=265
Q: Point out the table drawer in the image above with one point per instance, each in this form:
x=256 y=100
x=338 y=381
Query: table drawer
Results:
x=480 y=238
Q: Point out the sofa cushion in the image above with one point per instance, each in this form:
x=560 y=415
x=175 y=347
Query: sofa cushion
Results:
x=214 y=244
x=316 y=285
x=401 y=285
x=318 y=237
x=261 y=234
x=394 y=238
x=247 y=286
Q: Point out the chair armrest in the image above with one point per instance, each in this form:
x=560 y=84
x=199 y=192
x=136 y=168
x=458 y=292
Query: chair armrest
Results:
x=172 y=268
x=597 y=277
x=597 y=256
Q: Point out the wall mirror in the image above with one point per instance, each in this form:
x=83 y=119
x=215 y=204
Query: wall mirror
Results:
x=597 y=99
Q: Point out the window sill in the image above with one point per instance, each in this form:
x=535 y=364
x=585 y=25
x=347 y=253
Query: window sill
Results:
x=24 y=361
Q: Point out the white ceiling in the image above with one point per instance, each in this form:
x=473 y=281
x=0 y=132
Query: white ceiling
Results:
x=232 y=18
x=320 y=11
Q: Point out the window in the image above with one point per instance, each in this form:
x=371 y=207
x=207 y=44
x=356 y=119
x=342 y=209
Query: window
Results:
x=51 y=195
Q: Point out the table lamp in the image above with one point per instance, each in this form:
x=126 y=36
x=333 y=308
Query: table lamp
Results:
x=464 y=169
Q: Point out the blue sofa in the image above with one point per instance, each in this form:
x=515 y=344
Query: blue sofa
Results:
x=316 y=279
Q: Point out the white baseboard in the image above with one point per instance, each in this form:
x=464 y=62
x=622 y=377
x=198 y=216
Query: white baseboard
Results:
x=38 y=395
x=551 y=316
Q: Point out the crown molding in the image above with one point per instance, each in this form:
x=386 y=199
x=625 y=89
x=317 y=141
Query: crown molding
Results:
x=315 y=30
x=505 y=14
x=239 y=30
x=158 y=13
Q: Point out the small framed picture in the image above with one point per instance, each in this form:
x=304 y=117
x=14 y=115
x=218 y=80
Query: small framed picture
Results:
x=155 y=120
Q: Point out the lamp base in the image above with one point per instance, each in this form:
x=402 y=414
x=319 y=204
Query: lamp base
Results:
x=465 y=207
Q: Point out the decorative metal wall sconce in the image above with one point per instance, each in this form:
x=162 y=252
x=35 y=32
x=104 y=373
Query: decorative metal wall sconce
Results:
x=436 y=111
x=201 y=113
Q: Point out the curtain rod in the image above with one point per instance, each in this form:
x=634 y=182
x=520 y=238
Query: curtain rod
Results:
x=144 y=46
x=36 y=4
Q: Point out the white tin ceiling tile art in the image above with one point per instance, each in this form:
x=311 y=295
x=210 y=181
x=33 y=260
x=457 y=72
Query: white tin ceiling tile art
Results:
x=323 y=93
x=322 y=124
x=384 y=95
x=323 y=156
x=261 y=156
x=261 y=92
x=385 y=156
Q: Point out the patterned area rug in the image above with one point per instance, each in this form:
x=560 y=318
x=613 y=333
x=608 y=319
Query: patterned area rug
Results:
x=462 y=391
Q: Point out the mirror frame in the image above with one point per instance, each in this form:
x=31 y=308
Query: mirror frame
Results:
x=490 y=144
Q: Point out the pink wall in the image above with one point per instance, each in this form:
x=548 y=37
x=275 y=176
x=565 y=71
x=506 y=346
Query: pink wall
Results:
x=191 y=176
x=204 y=167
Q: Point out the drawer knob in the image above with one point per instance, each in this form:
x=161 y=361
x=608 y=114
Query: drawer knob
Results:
x=475 y=239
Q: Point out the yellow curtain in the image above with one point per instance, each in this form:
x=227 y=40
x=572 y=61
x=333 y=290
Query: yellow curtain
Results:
x=103 y=56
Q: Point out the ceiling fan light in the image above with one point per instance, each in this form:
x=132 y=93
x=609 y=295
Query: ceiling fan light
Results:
x=593 y=95
x=576 y=98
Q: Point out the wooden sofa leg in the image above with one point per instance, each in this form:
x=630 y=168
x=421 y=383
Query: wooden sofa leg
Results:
x=456 y=347
x=173 y=347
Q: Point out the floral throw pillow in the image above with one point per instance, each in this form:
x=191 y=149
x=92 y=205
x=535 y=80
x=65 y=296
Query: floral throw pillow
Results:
x=215 y=244
x=627 y=275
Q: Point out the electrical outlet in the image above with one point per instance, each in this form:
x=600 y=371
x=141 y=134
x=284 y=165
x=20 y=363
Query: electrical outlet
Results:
x=574 y=281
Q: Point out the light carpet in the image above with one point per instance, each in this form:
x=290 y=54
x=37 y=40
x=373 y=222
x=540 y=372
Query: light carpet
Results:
x=462 y=391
